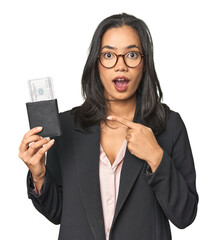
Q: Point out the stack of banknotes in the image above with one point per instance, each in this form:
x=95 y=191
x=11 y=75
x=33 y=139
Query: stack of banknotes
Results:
x=41 y=89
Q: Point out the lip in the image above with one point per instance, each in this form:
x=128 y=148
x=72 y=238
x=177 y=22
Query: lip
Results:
x=121 y=88
x=121 y=77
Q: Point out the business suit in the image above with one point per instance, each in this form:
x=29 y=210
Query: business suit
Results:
x=71 y=190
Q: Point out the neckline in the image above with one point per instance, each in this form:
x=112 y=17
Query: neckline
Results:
x=115 y=163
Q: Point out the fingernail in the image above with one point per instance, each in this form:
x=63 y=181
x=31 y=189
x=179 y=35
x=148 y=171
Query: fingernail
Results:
x=47 y=138
x=109 y=117
x=39 y=128
x=41 y=137
x=51 y=141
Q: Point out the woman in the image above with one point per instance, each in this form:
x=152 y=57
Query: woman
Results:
x=120 y=177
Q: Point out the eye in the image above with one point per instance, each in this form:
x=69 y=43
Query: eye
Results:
x=107 y=55
x=133 y=55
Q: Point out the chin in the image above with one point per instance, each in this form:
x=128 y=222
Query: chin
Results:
x=120 y=96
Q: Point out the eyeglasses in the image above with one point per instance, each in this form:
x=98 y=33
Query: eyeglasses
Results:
x=110 y=59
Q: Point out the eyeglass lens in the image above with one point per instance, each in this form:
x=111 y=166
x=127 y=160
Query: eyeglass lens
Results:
x=132 y=59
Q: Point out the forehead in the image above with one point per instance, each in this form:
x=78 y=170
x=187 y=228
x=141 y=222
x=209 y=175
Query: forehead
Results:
x=121 y=37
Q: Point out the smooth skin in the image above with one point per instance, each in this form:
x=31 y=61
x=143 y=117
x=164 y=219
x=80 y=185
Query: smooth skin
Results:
x=32 y=151
x=122 y=104
x=141 y=140
x=122 y=40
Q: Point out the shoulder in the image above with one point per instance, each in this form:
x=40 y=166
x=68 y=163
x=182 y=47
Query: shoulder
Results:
x=67 y=123
x=69 y=114
x=67 y=118
x=173 y=132
x=174 y=124
x=66 y=115
x=174 y=119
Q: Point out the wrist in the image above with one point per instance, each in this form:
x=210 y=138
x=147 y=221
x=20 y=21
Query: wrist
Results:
x=38 y=182
x=156 y=160
x=39 y=178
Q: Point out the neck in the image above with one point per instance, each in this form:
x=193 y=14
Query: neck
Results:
x=122 y=108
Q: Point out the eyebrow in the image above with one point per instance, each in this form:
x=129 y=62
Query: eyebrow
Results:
x=114 y=48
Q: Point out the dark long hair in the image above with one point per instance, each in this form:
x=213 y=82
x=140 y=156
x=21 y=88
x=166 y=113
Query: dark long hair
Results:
x=153 y=112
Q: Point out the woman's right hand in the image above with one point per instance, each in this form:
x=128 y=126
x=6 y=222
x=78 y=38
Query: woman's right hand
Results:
x=33 y=154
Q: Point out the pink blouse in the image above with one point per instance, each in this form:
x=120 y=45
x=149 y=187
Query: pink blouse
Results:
x=109 y=176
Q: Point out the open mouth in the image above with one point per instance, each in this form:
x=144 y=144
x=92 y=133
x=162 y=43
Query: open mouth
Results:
x=121 y=84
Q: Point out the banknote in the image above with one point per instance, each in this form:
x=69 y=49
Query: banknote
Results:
x=41 y=89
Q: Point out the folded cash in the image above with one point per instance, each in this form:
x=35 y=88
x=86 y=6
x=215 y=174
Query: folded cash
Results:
x=41 y=89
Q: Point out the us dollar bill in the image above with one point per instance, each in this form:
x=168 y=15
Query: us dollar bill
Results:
x=41 y=89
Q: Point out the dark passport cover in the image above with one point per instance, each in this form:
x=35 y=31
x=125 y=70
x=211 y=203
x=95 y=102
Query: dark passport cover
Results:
x=45 y=114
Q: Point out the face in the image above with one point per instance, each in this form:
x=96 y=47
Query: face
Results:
x=120 y=41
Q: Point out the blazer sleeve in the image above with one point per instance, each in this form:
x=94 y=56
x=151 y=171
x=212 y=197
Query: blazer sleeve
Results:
x=49 y=201
x=174 y=181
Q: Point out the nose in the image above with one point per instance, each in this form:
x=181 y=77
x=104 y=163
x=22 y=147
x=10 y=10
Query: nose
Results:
x=120 y=65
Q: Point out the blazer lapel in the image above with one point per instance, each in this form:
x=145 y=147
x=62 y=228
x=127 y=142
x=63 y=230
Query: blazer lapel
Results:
x=130 y=169
x=87 y=151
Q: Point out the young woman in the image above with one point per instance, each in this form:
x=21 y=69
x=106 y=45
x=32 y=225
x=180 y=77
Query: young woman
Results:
x=121 y=177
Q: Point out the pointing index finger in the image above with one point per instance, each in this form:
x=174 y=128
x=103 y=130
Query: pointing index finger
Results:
x=125 y=122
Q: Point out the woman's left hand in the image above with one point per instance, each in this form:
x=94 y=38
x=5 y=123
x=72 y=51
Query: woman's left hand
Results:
x=141 y=142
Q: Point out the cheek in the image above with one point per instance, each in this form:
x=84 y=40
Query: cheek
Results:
x=103 y=74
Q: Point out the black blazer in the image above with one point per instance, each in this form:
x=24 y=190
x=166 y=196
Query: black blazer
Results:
x=70 y=195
